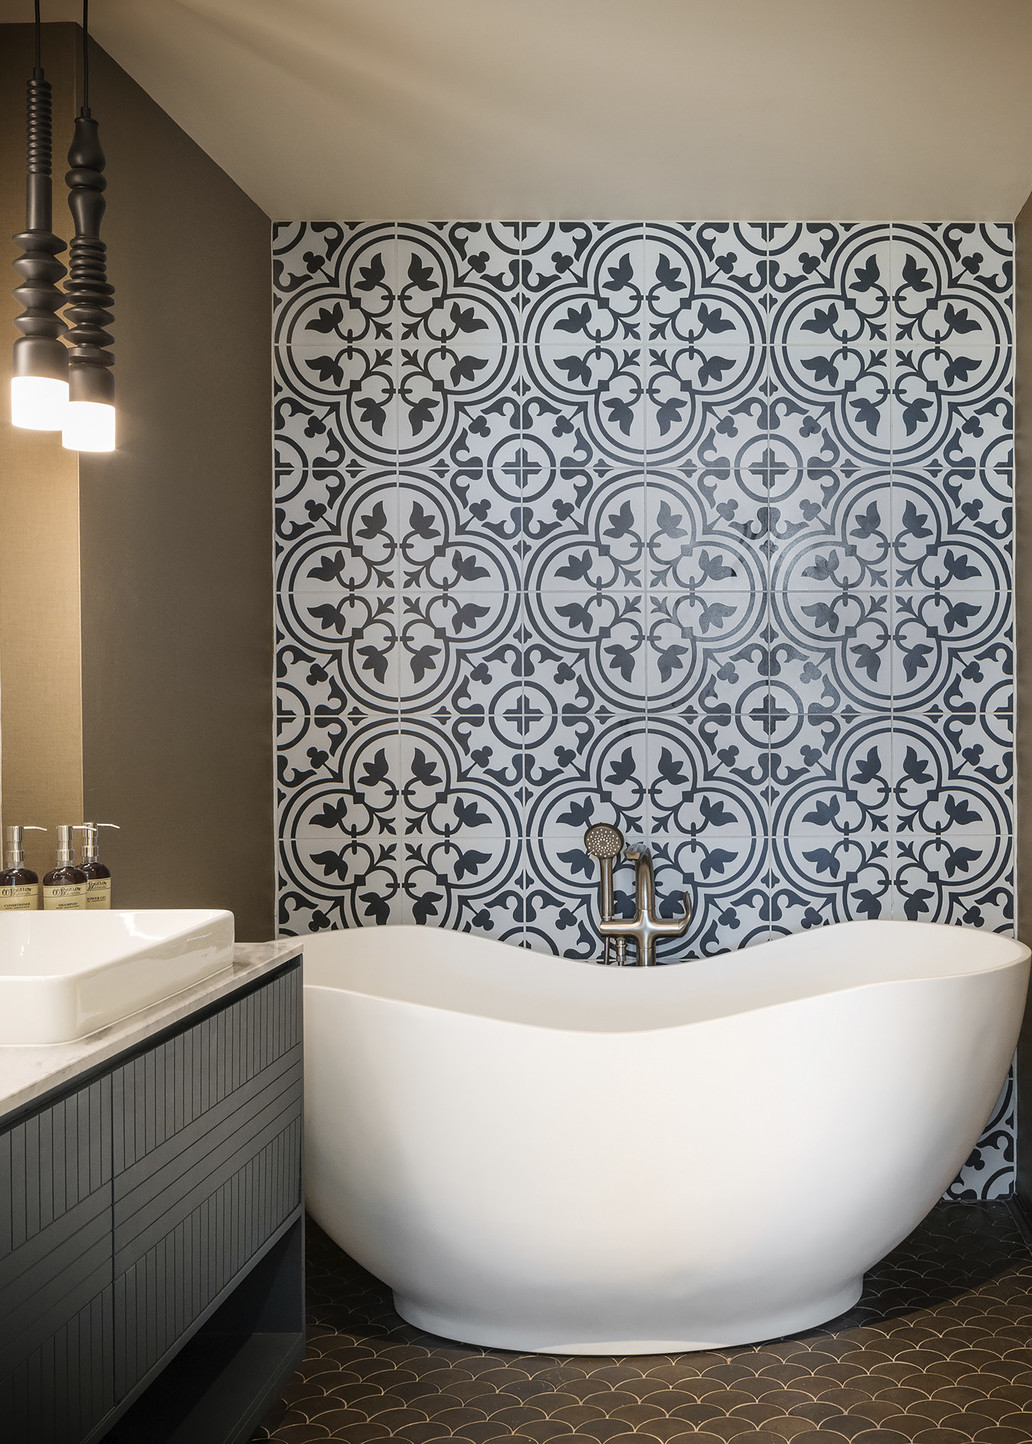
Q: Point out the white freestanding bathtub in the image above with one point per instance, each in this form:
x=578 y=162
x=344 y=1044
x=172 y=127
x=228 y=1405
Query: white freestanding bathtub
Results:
x=537 y=1154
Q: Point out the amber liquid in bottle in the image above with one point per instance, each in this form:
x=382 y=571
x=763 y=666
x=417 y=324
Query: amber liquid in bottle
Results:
x=98 y=885
x=64 y=886
x=64 y=890
x=19 y=885
x=19 y=890
x=98 y=874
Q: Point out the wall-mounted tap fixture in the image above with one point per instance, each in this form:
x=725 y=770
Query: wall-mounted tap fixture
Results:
x=605 y=843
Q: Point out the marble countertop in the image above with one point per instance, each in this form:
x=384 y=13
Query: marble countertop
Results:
x=27 y=1072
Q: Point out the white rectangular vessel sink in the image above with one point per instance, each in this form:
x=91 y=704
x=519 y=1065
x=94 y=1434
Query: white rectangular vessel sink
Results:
x=64 y=975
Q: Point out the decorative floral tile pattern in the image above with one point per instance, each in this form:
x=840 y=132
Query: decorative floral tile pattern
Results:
x=702 y=528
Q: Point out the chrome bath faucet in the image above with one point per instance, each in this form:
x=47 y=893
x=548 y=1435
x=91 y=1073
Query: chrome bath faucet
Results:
x=605 y=843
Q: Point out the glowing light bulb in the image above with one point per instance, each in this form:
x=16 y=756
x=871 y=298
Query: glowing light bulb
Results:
x=89 y=426
x=38 y=403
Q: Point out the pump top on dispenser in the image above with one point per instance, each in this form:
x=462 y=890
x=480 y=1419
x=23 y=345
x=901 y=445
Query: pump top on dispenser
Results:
x=19 y=885
x=98 y=874
x=64 y=886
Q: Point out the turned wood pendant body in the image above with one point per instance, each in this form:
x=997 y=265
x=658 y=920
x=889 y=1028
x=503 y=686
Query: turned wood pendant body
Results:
x=39 y=350
x=88 y=309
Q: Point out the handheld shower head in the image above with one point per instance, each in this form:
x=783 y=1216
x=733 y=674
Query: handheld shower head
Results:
x=603 y=841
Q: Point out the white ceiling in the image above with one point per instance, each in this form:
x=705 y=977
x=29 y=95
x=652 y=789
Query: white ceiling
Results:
x=719 y=109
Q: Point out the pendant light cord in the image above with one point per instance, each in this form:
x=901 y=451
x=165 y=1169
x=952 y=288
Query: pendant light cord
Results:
x=39 y=49
x=85 y=56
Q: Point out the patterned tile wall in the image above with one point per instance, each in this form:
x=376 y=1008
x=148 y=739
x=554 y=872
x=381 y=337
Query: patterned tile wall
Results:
x=703 y=529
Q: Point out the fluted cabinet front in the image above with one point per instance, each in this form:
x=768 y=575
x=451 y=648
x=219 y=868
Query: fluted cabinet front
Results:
x=56 y=1378
x=207 y=1167
x=131 y=1208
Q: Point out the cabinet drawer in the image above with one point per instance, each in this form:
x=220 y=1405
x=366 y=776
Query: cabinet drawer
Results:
x=56 y=1347
x=207 y=1165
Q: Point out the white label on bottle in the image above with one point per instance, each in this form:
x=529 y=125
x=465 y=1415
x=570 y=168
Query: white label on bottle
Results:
x=21 y=899
x=98 y=893
x=64 y=897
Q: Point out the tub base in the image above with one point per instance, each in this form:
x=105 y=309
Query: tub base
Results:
x=491 y=1334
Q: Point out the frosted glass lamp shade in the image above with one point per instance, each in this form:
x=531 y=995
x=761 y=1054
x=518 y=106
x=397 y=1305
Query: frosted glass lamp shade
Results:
x=38 y=402
x=89 y=426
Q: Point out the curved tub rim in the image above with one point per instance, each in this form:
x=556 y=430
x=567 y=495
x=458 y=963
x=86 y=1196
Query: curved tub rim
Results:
x=1012 y=953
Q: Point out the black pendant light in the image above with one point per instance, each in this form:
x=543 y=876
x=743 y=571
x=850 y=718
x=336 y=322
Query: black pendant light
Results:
x=39 y=382
x=89 y=423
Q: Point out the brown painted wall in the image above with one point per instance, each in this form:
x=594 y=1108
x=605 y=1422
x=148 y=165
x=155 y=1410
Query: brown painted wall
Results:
x=1023 y=698
x=40 y=709
x=174 y=527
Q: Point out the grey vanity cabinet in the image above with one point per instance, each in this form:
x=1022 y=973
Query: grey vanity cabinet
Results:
x=207 y=1149
x=149 y=1202
x=56 y=1337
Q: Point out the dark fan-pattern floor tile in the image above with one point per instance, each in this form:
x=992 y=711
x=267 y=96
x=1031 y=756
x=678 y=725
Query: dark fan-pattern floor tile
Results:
x=937 y=1351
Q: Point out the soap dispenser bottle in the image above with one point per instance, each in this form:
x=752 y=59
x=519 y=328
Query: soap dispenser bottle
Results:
x=64 y=886
x=98 y=874
x=19 y=885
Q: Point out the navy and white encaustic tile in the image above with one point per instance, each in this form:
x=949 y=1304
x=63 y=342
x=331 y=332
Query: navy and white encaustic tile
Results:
x=701 y=529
